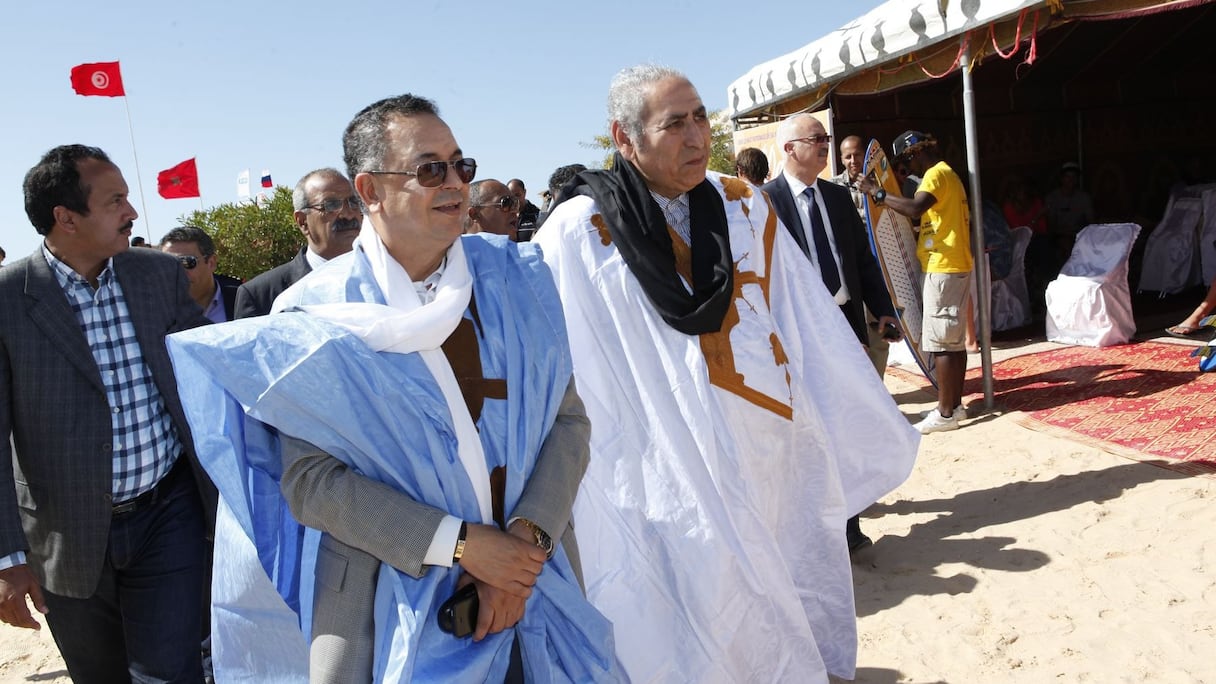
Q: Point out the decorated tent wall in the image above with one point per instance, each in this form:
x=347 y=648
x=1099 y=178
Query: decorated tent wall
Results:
x=1125 y=87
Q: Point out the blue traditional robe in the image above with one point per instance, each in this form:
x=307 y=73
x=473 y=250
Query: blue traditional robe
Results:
x=384 y=415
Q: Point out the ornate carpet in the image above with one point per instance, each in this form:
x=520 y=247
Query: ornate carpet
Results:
x=1144 y=401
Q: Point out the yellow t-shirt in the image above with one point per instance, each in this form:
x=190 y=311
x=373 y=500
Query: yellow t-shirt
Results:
x=945 y=228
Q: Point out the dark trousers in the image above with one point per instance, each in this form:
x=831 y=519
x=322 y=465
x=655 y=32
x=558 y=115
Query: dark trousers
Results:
x=143 y=622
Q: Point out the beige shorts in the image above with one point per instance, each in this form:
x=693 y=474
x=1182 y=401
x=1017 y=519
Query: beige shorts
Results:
x=942 y=326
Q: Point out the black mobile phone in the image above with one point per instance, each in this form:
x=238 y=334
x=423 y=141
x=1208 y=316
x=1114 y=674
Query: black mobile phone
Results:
x=458 y=614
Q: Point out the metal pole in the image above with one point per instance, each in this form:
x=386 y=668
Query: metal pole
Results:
x=977 y=226
x=139 y=177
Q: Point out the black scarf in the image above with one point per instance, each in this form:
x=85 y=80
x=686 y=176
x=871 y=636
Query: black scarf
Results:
x=639 y=230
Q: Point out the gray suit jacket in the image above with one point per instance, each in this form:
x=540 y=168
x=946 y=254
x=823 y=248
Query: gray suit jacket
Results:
x=255 y=297
x=56 y=473
x=367 y=522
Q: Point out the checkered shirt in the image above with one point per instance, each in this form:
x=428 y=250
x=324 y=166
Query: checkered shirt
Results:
x=145 y=442
x=676 y=213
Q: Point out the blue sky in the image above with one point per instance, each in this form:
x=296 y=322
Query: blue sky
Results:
x=271 y=85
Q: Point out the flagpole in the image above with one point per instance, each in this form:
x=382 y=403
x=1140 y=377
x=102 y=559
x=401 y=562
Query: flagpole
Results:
x=139 y=177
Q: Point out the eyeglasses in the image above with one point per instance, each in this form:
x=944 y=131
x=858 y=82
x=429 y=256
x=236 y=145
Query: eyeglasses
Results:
x=506 y=203
x=188 y=262
x=332 y=206
x=814 y=139
x=431 y=174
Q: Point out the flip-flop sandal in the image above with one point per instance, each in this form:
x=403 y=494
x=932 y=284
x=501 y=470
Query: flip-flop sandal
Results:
x=1185 y=332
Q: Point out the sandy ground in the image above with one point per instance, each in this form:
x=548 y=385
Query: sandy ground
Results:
x=1008 y=556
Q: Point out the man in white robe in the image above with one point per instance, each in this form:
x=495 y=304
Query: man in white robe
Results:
x=737 y=421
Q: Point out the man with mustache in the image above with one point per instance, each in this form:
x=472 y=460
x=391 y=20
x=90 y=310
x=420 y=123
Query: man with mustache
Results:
x=734 y=411
x=328 y=215
x=104 y=511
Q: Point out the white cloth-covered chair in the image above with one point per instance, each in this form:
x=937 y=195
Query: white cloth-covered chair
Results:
x=1171 y=254
x=1010 y=296
x=1090 y=303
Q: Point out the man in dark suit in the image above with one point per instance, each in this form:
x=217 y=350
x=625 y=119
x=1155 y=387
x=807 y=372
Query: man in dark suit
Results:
x=824 y=222
x=104 y=512
x=195 y=251
x=328 y=214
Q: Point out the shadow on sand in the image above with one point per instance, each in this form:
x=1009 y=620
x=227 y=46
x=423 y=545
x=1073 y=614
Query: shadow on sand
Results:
x=898 y=567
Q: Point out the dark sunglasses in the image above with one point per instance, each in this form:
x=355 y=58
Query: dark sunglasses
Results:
x=188 y=262
x=431 y=174
x=506 y=203
x=814 y=139
x=332 y=206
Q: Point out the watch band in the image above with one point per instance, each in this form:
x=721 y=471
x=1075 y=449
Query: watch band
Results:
x=542 y=539
x=460 y=539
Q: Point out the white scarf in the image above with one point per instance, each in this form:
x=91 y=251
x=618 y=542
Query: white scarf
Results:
x=405 y=325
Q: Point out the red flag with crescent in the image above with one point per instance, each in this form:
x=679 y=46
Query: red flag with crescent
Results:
x=179 y=181
x=101 y=78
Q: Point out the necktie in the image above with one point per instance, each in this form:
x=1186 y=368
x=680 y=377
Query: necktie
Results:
x=823 y=249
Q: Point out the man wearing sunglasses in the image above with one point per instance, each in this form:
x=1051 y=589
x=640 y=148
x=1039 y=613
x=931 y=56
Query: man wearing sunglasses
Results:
x=328 y=215
x=492 y=209
x=195 y=251
x=735 y=415
x=430 y=435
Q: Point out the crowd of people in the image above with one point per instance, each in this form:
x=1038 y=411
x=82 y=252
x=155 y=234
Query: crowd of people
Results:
x=381 y=450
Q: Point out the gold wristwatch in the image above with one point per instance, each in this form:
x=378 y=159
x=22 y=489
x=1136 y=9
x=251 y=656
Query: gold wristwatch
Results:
x=458 y=553
x=542 y=539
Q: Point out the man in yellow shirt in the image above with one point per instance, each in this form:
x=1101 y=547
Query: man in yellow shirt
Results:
x=944 y=249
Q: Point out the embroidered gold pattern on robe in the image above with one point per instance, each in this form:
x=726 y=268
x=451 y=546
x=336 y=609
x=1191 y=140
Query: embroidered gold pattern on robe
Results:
x=716 y=346
x=736 y=189
x=605 y=237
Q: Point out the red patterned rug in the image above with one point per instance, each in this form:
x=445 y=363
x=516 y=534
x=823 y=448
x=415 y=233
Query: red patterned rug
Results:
x=1144 y=400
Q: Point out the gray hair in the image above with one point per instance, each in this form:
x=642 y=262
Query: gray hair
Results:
x=627 y=95
x=365 y=143
x=299 y=199
x=785 y=129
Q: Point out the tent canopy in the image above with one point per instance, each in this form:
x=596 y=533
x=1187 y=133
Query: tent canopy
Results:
x=1124 y=87
x=889 y=32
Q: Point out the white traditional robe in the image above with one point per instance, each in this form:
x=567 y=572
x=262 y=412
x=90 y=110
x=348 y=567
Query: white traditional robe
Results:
x=723 y=466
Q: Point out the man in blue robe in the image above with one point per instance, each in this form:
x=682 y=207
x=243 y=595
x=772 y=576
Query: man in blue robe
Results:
x=430 y=436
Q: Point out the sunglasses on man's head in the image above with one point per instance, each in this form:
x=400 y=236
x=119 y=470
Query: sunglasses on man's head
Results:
x=188 y=262
x=431 y=174
x=505 y=203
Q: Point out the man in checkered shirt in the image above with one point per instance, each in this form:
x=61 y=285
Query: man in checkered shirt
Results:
x=104 y=512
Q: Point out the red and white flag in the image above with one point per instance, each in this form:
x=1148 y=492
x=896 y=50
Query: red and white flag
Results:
x=179 y=181
x=100 y=78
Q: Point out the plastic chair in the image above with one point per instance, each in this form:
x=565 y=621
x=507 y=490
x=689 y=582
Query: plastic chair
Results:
x=1010 y=296
x=1090 y=303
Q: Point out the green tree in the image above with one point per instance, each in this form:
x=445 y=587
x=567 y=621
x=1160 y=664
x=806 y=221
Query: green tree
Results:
x=251 y=239
x=721 y=145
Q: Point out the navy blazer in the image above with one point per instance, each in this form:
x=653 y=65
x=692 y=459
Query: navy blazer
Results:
x=255 y=297
x=862 y=274
x=56 y=474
